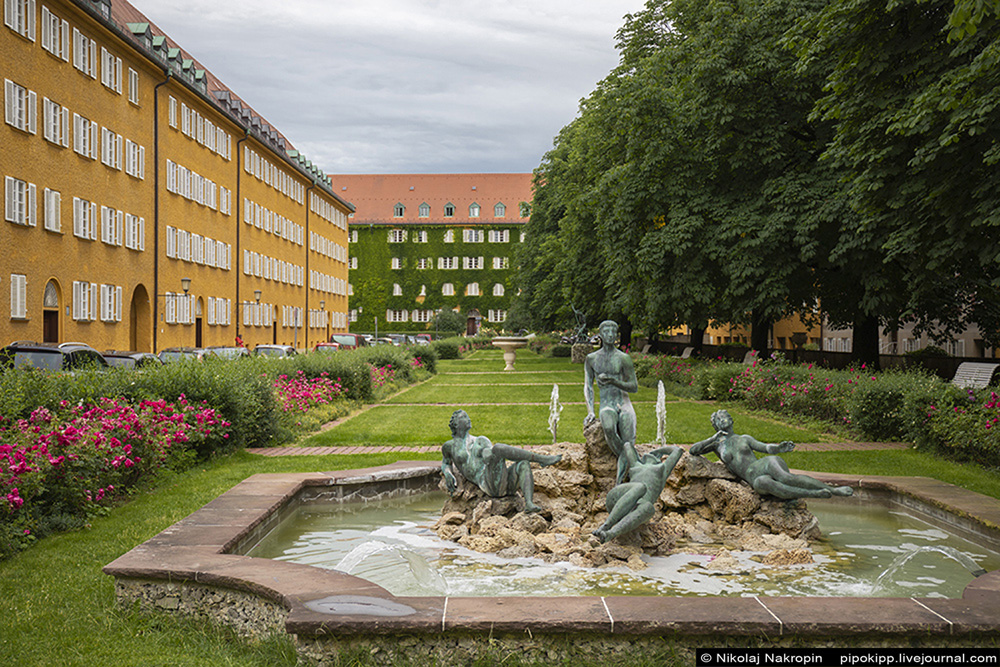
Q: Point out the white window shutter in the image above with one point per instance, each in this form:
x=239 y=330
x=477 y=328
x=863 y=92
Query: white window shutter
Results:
x=30 y=206
x=65 y=41
x=10 y=198
x=93 y=301
x=94 y=143
x=142 y=234
x=118 y=228
x=92 y=60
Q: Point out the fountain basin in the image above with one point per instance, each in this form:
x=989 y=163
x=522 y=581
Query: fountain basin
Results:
x=196 y=567
x=509 y=345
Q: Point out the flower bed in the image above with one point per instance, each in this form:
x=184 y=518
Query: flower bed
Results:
x=57 y=467
x=300 y=393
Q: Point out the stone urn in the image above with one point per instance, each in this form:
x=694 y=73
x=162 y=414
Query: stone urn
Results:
x=509 y=345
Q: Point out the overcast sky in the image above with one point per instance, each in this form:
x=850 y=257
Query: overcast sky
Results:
x=406 y=86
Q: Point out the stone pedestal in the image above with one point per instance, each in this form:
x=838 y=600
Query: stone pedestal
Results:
x=580 y=352
x=509 y=345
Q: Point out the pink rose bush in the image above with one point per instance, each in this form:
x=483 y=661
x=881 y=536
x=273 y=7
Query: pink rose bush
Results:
x=299 y=393
x=71 y=460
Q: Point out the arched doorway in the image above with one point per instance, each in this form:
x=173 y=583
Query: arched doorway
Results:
x=50 y=313
x=140 y=321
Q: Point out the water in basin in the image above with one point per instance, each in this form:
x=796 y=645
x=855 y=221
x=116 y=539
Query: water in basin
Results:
x=870 y=550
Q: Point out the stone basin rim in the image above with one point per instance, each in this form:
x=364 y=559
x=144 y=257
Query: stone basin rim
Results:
x=198 y=552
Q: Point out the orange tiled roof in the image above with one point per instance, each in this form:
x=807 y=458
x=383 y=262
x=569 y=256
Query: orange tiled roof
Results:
x=375 y=197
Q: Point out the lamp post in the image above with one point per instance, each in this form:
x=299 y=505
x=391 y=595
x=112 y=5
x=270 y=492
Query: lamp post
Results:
x=322 y=309
x=185 y=285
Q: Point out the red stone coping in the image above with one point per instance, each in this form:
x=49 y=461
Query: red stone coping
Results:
x=323 y=602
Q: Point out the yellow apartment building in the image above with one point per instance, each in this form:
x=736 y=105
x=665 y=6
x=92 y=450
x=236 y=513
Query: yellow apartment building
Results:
x=147 y=205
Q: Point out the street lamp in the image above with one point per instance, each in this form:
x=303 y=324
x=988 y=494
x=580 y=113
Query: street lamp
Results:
x=256 y=295
x=185 y=284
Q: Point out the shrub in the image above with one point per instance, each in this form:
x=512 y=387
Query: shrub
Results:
x=892 y=405
x=448 y=348
x=562 y=350
x=650 y=369
x=969 y=430
x=424 y=356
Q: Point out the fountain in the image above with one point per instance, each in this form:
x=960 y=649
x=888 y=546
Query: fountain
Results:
x=509 y=345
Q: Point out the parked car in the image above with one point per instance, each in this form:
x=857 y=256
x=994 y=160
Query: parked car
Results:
x=50 y=356
x=275 y=351
x=383 y=341
x=173 y=354
x=370 y=338
x=397 y=339
x=227 y=352
x=326 y=347
x=349 y=341
x=130 y=359
x=423 y=339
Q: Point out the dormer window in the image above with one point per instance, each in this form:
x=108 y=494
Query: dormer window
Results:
x=398 y=210
x=474 y=210
x=425 y=210
x=449 y=210
x=499 y=210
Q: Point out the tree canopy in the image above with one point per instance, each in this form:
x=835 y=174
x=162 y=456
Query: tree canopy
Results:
x=747 y=160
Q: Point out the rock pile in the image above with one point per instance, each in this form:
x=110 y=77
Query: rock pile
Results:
x=703 y=509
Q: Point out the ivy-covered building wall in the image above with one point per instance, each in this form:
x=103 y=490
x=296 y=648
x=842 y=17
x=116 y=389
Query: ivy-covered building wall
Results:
x=422 y=243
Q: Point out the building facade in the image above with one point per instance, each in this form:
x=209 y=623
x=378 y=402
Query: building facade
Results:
x=146 y=204
x=424 y=242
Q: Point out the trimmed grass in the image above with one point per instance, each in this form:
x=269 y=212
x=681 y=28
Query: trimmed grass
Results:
x=570 y=391
x=59 y=607
x=528 y=425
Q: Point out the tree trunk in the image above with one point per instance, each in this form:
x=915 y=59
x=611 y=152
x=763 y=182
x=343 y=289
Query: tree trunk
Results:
x=624 y=332
x=697 y=339
x=760 y=327
x=865 y=344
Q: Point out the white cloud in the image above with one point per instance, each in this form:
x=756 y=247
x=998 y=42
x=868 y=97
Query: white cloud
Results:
x=406 y=85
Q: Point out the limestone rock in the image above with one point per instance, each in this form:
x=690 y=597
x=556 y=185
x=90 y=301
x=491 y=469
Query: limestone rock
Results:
x=532 y=523
x=788 y=557
x=724 y=562
x=733 y=501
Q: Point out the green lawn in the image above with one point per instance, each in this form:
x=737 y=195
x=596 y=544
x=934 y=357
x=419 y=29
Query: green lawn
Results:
x=528 y=425
x=483 y=390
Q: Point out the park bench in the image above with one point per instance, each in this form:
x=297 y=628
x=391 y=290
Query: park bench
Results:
x=973 y=374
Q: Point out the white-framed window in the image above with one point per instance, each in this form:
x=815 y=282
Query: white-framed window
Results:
x=497 y=316
x=172 y=112
x=135 y=232
x=55 y=34
x=397 y=236
x=449 y=210
x=447 y=262
x=112 y=222
x=111 y=303
x=474 y=210
x=472 y=289
x=396 y=316
x=449 y=236
x=85 y=301
x=499 y=236
x=55 y=123
x=352 y=316
x=424 y=211
x=53 y=210
x=499 y=210
x=20 y=107
x=84 y=219
x=85 y=137
x=501 y=263
x=111 y=149
x=448 y=289
x=524 y=235
x=135 y=159
x=396 y=263
x=84 y=54
x=398 y=210
x=421 y=315
x=353 y=237
x=472 y=235
x=498 y=289
x=397 y=289
x=20 y=206
x=353 y=263
x=472 y=262
x=18 y=296
x=133 y=86
x=111 y=71
x=19 y=16
x=424 y=263
x=420 y=236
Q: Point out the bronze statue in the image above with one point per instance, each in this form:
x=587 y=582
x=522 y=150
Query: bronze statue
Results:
x=631 y=504
x=767 y=475
x=581 y=325
x=484 y=463
x=615 y=376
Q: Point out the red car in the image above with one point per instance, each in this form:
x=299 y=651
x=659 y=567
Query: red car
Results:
x=348 y=341
x=326 y=347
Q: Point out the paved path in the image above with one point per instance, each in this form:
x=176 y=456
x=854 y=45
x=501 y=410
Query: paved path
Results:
x=427 y=449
